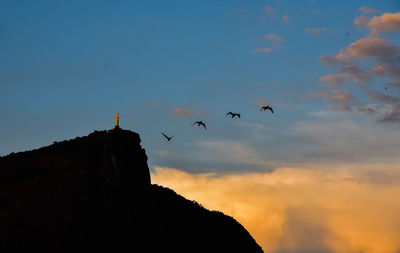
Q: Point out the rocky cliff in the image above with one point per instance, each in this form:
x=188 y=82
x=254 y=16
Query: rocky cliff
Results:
x=94 y=193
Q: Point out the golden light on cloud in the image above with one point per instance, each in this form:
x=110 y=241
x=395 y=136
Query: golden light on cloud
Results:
x=388 y=22
x=299 y=210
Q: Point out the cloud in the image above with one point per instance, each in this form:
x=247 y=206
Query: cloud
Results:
x=344 y=138
x=365 y=59
x=274 y=38
x=364 y=48
x=357 y=74
x=338 y=96
x=334 y=79
x=367 y=10
x=317 y=30
x=371 y=47
x=393 y=116
x=269 y=10
x=348 y=67
x=369 y=109
x=362 y=20
x=386 y=113
x=332 y=61
x=301 y=210
x=261 y=101
x=264 y=50
x=320 y=95
x=388 y=22
x=342 y=96
x=376 y=95
x=182 y=112
x=345 y=108
x=388 y=67
x=395 y=85
x=285 y=19
x=334 y=137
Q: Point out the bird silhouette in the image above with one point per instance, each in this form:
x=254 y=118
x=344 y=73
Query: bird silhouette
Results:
x=264 y=108
x=168 y=138
x=200 y=123
x=233 y=114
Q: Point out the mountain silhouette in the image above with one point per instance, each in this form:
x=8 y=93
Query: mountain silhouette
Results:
x=94 y=194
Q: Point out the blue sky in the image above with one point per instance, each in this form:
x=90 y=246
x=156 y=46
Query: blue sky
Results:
x=68 y=66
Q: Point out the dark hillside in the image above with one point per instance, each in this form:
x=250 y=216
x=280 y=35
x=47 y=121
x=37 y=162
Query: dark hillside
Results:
x=94 y=193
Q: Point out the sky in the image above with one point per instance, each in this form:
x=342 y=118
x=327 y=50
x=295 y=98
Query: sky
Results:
x=319 y=175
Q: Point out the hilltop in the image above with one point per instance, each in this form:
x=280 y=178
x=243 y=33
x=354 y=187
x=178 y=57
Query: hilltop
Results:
x=94 y=193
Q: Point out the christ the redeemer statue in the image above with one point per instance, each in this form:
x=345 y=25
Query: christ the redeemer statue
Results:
x=116 y=120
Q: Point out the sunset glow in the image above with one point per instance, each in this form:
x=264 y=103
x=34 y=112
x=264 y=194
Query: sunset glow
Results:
x=300 y=210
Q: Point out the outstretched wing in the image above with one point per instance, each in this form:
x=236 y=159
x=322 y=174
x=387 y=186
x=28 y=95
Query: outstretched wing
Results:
x=262 y=108
x=165 y=136
x=229 y=113
x=270 y=108
x=238 y=114
x=204 y=125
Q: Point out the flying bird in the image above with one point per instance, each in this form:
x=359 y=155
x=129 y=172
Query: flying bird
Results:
x=264 y=108
x=234 y=114
x=200 y=123
x=168 y=138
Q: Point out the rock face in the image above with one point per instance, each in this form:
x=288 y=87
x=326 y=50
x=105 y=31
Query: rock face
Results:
x=94 y=194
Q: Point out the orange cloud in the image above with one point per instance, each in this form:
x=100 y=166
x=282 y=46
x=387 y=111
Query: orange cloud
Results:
x=274 y=38
x=342 y=96
x=299 y=210
x=367 y=10
x=388 y=22
x=182 y=112
x=264 y=50
x=371 y=47
x=334 y=79
x=261 y=101
x=285 y=19
x=362 y=20
x=338 y=96
x=381 y=50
